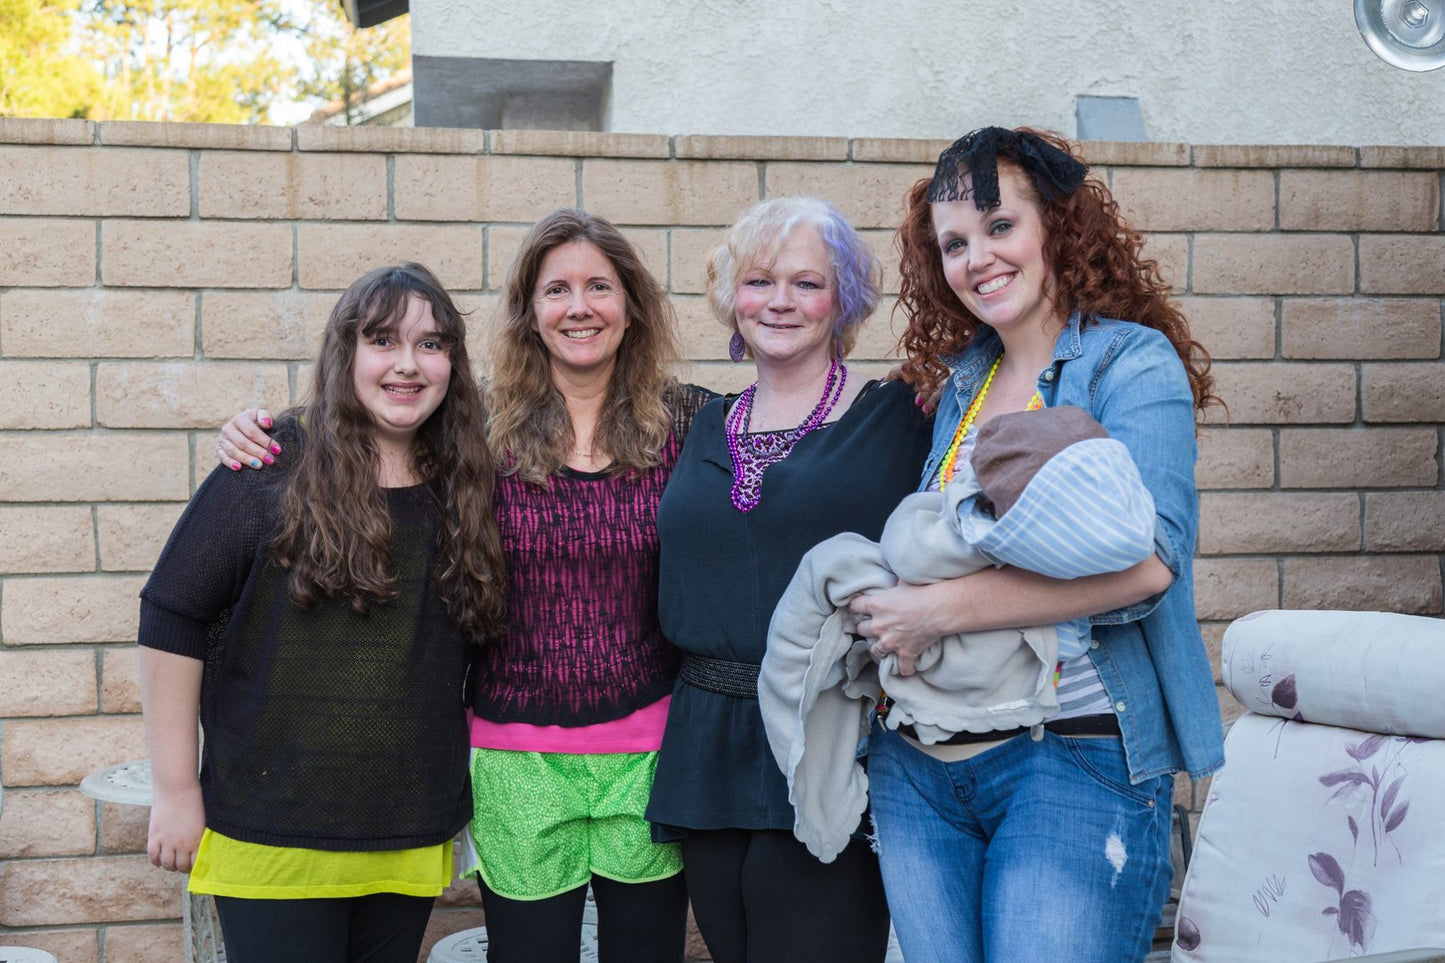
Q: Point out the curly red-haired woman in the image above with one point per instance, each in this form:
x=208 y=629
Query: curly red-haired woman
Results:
x=1024 y=288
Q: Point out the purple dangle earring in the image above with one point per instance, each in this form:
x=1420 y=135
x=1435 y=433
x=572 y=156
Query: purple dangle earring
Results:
x=736 y=347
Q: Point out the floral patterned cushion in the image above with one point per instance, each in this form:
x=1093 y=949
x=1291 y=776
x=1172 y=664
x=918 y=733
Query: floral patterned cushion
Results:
x=1375 y=671
x=1321 y=842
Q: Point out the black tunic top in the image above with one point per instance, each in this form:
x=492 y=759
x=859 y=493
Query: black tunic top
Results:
x=325 y=729
x=723 y=572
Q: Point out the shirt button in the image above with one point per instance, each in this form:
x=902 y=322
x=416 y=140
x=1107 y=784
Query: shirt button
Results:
x=1119 y=707
x=1093 y=643
x=1049 y=375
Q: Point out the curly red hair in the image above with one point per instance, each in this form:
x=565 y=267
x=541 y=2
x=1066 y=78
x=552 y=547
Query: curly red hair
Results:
x=1098 y=270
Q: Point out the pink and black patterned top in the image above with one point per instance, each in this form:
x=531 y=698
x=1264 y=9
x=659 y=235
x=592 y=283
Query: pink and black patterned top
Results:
x=582 y=645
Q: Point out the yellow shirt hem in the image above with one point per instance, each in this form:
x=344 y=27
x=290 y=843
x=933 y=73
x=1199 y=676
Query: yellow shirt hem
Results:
x=230 y=867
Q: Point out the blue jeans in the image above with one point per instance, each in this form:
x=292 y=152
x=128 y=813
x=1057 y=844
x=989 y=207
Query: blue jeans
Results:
x=1037 y=851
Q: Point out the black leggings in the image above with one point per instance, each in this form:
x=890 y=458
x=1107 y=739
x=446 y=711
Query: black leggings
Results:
x=382 y=928
x=636 y=923
x=760 y=896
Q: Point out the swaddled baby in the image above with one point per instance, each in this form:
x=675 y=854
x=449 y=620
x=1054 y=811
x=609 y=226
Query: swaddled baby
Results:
x=1047 y=491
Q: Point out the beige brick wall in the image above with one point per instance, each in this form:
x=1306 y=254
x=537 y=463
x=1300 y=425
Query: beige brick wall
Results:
x=156 y=277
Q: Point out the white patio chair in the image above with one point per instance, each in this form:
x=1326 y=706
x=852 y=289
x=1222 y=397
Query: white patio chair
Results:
x=1320 y=839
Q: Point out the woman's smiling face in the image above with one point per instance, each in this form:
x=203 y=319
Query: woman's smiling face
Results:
x=786 y=309
x=580 y=308
x=994 y=259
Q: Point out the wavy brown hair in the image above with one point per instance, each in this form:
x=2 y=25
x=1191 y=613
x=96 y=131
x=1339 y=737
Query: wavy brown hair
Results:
x=1098 y=270
x=527 y=420
x=336 y=535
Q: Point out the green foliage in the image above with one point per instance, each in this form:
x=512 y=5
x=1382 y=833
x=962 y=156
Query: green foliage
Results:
x=41 y=74
x=188 y=60
x=210 y=61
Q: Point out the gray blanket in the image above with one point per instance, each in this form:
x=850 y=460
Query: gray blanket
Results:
x=819 y=681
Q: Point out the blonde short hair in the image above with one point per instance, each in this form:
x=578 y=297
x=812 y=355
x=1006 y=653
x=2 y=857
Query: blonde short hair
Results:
x=758 y=235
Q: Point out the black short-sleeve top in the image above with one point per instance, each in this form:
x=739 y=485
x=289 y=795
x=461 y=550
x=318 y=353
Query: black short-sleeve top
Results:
x=723 y=571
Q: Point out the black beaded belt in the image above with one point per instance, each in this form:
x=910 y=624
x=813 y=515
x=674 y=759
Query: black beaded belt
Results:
x=1103 y=724
x=736 y=679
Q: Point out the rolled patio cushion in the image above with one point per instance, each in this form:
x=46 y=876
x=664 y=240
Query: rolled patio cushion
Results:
x=1375 y=671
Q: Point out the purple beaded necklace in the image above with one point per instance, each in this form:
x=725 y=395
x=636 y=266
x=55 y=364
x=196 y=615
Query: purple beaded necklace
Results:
x=752 y=454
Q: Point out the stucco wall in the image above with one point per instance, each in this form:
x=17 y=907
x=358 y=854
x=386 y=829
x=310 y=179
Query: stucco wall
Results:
x=156 y=278
x=1232 y=71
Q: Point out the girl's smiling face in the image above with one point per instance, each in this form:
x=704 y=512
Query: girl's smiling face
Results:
x=994 y=260
x=401 y=374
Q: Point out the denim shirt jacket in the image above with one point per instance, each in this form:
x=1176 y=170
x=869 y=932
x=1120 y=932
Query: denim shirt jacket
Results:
x=1150 y=656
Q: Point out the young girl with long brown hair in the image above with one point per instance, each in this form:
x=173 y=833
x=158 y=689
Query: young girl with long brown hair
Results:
x=1024 y=288
x=319 y=622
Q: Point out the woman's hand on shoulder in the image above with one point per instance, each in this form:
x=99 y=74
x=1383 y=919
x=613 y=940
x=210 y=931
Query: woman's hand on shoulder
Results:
x=928 y=404
x=178 y=817
x=243 y=442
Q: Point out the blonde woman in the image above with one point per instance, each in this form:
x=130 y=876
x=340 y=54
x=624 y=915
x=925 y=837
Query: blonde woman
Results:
x=808 y=451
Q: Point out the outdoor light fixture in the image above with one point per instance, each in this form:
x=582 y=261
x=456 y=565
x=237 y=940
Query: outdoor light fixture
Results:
x=1405 y=33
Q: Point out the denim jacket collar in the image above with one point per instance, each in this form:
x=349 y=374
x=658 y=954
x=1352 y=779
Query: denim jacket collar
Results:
x=971 y=365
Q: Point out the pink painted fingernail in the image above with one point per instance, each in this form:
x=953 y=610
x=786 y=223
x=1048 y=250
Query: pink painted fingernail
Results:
x=235 y=466
x=275 y=448
x=268 y=459
x=266 y=422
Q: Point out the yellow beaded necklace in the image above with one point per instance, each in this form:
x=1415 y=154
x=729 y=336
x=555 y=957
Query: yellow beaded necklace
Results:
x=950 y=457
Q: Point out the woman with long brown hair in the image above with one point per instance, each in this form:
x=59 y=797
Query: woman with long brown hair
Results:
x=1025 y=288
x=319 y=618
x=571 y=700
x=571 y=695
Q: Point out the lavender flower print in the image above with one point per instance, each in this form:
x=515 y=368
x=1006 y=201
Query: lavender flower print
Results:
x=1352 y=911
x=1374 y=794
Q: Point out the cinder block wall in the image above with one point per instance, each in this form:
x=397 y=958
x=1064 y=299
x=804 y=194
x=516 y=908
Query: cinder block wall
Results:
x=155 y=278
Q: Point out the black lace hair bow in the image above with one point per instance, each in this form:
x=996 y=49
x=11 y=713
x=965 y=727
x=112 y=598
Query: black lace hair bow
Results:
x=969 y=167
